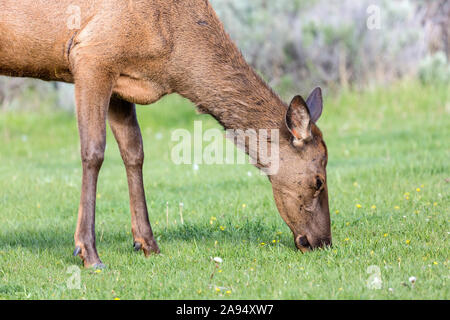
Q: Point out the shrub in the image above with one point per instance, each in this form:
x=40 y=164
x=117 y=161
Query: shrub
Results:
x=435 y=69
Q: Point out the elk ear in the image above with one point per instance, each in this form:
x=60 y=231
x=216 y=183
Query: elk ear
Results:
x=315 y=104
x=298 y=121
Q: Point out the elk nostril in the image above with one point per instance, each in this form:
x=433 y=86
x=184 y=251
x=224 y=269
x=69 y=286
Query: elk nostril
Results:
x=319 y=183
x=303 y=241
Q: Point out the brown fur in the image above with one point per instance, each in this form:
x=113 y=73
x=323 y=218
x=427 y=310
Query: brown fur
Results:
x=137 y=51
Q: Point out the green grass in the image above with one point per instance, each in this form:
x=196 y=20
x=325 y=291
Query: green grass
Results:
x=383 y=143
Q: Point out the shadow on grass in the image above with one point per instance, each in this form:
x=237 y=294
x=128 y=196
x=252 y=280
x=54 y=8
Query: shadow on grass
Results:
x=60 y=240
x=252 y=231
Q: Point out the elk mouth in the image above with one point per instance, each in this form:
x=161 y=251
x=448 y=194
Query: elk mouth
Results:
x=305 y=244
x=302 y=243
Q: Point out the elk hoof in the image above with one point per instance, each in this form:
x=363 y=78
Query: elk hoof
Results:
x=90 y=258
x=137 y=246
x=148 y=247
x=152 y=248
x=77 y=251
x=99 y=266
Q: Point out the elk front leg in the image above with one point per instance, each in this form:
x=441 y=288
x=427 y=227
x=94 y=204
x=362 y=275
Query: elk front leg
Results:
x=124 y=124
x=93 y=92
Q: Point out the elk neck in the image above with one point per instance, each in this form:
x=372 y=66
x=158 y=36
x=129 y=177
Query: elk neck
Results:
x=209 y=70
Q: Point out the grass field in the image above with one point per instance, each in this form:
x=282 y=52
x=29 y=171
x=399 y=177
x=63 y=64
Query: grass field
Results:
x=388 y=178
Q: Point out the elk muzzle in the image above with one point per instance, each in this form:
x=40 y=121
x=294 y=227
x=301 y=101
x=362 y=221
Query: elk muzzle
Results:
x=307 y=243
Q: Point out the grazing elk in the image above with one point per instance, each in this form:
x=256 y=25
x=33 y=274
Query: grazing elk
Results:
x=136 y=51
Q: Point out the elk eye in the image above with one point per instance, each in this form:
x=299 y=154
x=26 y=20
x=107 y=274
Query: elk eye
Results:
x=319 y=183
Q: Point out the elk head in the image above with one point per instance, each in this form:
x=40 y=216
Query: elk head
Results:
x=300 y=185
